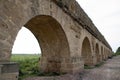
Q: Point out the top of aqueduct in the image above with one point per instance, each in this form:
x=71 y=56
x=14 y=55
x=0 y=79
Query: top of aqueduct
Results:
x=72 y=8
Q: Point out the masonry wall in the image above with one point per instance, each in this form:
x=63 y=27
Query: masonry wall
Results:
x=16 y=13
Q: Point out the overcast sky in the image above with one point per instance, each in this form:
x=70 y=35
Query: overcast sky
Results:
x=105 y=14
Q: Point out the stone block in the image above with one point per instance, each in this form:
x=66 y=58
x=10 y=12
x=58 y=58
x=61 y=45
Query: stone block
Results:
x=9 y=71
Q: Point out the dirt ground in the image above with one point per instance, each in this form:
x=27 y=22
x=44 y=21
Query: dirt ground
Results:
x=109 y=71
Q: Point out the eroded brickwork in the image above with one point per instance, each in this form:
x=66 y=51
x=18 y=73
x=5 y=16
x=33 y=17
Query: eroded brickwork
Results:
x=68 y=38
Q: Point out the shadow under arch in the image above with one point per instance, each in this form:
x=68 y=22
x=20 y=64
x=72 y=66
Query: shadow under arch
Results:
x=102 y=54
x=53 y=43
x=86 y=52
x=97 y=52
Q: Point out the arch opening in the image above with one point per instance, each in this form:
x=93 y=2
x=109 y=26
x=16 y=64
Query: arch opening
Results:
x=97 y=53
x=26 y=51
x=102 y=54
x=26 y=43
x=86 y=52
x=53 y=43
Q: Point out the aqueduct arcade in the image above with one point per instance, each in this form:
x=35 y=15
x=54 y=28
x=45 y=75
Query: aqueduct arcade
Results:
x=68 y=38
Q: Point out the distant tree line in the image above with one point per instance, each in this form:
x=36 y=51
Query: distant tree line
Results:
x=118 y=51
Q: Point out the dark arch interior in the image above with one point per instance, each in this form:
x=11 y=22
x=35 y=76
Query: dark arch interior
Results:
x=86 y=52
x=102 y=54
x=97 y=53
x=53 y=42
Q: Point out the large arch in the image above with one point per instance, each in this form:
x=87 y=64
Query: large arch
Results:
x=53 y=43
x=97 y=52
x=87 y=52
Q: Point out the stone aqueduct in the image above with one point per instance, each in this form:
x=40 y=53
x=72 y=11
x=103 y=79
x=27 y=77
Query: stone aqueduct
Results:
x=68 y=38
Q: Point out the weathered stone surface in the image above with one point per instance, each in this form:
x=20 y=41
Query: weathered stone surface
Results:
x=67 y=36
x=73 y=9
x=9 y=71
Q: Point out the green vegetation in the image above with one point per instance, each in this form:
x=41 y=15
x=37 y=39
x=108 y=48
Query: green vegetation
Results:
x=91 y=67
x=118 y=51
x=115 y=54
x=88 y=67
x=28 y=64
x=99 y=64
x=22 y=57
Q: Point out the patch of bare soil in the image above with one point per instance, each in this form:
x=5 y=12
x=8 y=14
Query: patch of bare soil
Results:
x=109 y=71
x=76 y=76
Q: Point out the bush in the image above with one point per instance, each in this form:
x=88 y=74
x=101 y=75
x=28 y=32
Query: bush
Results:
x=91 y=67
x=99 y=64
x=28 y=64
x=88 y=67
x=118 y=51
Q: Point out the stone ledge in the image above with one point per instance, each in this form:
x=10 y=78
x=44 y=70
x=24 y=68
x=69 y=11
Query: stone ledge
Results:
x=9 y=76
x=9 y=67
x=9 y=71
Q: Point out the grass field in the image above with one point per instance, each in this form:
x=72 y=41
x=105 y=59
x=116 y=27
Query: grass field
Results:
x=22 y=57
x=28 y=64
